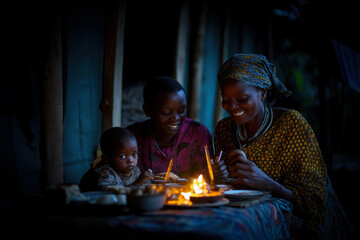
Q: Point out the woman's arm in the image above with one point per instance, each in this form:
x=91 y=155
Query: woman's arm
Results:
x=251 y=177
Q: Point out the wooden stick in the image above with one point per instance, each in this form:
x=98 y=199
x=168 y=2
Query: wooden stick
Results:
x=209 y=163
x=169 y=170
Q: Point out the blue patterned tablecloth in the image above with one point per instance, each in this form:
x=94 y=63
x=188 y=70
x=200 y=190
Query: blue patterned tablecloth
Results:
x=263 y=221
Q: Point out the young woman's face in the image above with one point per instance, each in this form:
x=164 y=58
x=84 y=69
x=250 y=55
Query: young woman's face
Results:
x=168 y=111
x=125 y=155
x=242 y=101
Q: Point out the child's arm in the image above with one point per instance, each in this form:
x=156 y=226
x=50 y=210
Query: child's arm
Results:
x=107 y=177
x=144 y=176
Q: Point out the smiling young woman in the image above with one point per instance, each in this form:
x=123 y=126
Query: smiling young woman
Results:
x=168 y=133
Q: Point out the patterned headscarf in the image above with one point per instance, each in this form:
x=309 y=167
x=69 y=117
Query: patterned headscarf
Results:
x=256 y=71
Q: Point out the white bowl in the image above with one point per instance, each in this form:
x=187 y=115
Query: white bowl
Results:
x=146 y=202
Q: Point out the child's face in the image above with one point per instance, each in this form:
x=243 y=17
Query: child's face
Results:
x=125 y=155
x=168 y=111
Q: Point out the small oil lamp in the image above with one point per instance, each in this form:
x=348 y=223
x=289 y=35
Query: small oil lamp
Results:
x=201 y=192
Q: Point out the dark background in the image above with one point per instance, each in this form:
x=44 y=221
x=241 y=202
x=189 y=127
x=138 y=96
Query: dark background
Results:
x=301 y=44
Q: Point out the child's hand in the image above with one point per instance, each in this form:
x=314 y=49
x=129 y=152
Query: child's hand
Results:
x=148 y=174
x=144 y=176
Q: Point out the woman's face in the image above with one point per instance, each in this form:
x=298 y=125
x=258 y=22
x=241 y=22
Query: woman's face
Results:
x=242 y=101
x=124 y=156
x=168 y=111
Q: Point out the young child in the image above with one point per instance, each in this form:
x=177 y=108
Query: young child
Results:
x=118 y=165
x=169 y=134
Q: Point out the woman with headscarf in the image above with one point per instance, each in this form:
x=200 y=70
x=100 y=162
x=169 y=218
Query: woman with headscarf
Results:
x=275 y=149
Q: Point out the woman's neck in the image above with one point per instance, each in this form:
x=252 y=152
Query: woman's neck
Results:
x=253 y=126
x=163 y=140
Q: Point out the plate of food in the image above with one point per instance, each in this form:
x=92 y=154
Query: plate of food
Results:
x=244 y=194
x=160 y=178
x=173 y=178
x=189 y=204
x=223 y=187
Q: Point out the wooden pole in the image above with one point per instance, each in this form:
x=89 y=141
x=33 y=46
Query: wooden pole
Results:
x=53 y=108
x=182 y=42
x=196 y=68
x=113 y=65
x=223 y=57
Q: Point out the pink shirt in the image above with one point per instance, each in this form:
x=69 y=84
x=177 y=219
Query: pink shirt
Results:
x=187 y=149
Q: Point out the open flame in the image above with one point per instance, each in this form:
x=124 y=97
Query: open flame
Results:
x=198 y=187
x=186 y=195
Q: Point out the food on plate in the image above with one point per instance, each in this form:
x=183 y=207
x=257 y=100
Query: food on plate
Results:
x=223 y=187
x=161 y=176
x=182 y=181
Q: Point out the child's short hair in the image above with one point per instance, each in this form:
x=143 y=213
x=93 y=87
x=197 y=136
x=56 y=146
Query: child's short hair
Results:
x=112 y=135
x=159 y=84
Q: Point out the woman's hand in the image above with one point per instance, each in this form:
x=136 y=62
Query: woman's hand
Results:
x=248 y=175
x=220 y=172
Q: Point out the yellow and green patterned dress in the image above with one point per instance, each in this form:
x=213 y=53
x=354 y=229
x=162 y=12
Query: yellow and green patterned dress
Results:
x=289 y=153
